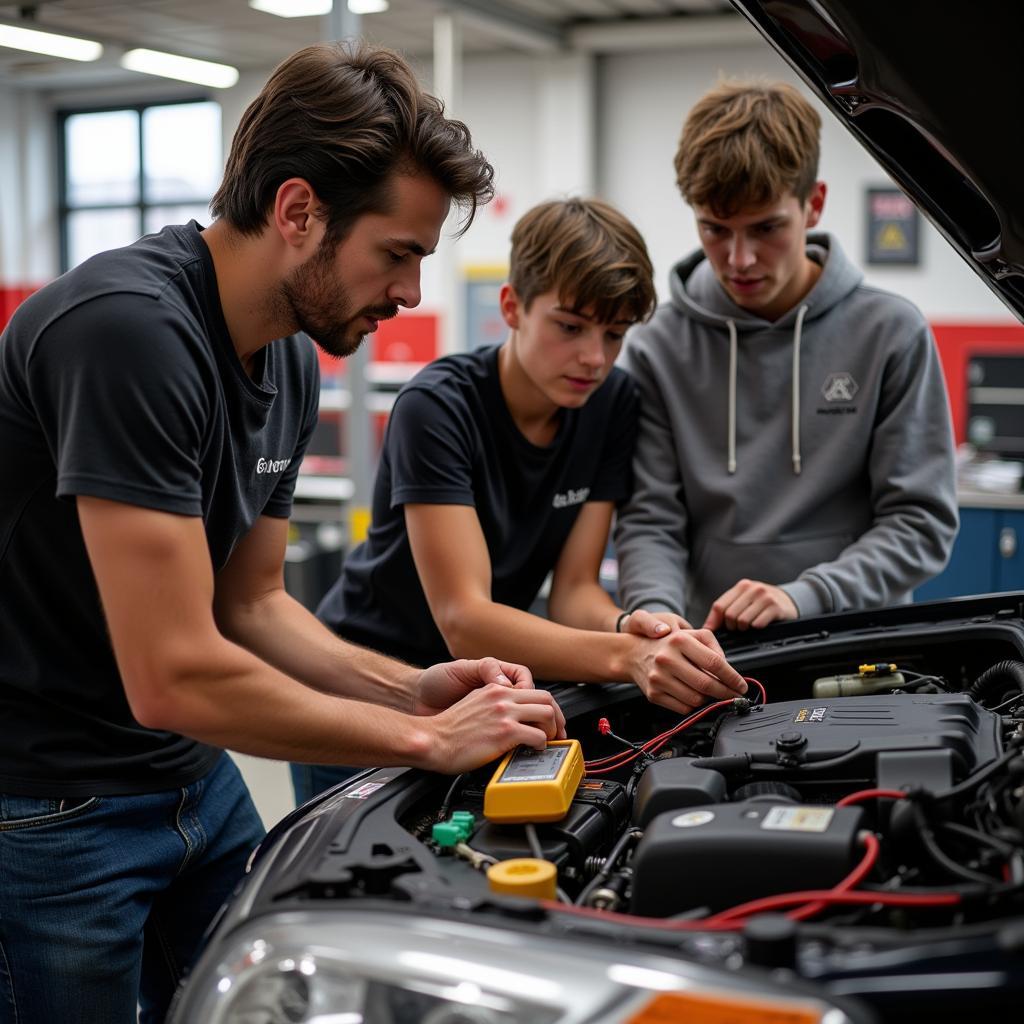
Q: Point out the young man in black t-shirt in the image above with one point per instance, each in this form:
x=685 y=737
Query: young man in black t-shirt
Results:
x=155 y=404
x=505 y=464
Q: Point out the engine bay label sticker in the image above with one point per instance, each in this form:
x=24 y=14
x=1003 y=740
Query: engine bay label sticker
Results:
x=363 y=791
x=692 y=819
x=674 y=1007
x=811 y=715
x=798 y=819
x=528 y=765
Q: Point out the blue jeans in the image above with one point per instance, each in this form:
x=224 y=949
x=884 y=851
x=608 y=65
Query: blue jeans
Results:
x=104 y=900
x=310 y=779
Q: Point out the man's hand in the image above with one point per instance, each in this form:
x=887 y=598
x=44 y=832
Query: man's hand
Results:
x=441 y=686
x=653 y=624
x=750 y=604
x=683 y=670
x=489 y=721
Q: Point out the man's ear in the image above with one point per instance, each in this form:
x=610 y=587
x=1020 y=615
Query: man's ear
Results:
x=510 y=305
x=816 y=203
x=294 y=216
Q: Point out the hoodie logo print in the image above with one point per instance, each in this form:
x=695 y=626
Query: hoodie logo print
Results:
x=839 y=387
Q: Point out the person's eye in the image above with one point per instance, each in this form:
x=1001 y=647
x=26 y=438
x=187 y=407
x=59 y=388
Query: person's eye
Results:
x=396 y=257
x=614 y=337
x=568 y=328
x=767 y=229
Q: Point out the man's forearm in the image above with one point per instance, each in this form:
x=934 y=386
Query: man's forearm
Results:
x=280 y=631
x=224 y=695
x=550 y=650
x=585 y=605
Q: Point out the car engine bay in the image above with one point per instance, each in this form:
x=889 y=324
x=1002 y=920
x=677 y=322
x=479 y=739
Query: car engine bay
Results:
x=853 y=826
x=890 y=797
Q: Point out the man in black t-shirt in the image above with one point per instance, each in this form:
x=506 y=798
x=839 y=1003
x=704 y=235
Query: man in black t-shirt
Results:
x=155 y=404
x=503 y=465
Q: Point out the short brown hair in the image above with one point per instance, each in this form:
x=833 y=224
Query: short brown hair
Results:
x=589 y=252
x=748 y=144
x=345 y=117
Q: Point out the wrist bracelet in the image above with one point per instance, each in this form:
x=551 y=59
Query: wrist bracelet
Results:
x=620 y=620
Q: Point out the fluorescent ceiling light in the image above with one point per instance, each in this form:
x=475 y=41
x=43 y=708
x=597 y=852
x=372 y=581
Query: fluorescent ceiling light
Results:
x=292 y=8
x=305 y=8
x=49 y=43
x=185 y=69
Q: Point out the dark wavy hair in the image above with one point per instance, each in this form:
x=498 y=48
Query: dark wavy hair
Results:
x=346 y=117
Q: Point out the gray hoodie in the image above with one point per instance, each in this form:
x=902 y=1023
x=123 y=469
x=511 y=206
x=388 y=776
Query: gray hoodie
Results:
x=814 y=452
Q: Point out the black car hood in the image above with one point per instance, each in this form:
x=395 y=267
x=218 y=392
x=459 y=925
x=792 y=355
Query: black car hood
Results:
x=934 y=92
x=941 y=617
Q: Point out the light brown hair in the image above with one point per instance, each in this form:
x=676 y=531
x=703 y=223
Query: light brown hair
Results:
x=346 y=117
x=589 y=253
x=747 y=144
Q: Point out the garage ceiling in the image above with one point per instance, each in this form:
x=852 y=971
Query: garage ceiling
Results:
x=231 y=32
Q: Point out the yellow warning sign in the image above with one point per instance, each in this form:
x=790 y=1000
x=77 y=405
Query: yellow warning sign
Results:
x=892 y=237
x=677 y=1007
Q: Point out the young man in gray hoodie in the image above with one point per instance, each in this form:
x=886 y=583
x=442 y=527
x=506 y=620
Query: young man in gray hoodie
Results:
x=795 y=454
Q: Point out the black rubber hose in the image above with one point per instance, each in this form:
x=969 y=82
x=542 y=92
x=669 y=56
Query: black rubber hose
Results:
x=1001 y=673
x=617 y=850
x=939 y=856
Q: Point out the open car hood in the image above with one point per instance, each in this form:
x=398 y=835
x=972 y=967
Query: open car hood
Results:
x=933 y=92
x=943 y=617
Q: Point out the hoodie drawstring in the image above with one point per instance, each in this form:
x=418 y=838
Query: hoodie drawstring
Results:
x=732 y=397
x=795 y=435
x=797 y=331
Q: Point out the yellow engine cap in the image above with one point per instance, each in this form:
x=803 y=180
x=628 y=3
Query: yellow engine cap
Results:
x=524 y=876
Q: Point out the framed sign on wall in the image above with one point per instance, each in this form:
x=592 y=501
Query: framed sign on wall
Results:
x=893 y=227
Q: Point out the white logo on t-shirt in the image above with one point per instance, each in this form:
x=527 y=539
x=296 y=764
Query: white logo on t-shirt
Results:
x=272 y=466
x=571 y=497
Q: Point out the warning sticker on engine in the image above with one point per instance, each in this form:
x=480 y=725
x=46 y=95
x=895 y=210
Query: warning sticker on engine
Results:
x=811 y=715
x=798 y=819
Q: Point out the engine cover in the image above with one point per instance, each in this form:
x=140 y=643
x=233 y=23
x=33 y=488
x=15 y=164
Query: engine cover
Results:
x=844 y=736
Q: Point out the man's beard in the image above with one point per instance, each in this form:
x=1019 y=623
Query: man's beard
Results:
x=321 y=307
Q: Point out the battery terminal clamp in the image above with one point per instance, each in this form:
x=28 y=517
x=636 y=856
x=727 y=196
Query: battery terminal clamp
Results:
x=457 y=829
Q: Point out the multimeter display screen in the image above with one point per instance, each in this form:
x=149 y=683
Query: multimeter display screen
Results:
x=528 y=765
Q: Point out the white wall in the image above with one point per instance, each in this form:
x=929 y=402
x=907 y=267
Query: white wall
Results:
x=643 y=99
x=533 y=117
x=28 y=190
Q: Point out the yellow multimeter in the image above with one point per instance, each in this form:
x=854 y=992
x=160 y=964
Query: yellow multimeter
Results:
x=535 y=785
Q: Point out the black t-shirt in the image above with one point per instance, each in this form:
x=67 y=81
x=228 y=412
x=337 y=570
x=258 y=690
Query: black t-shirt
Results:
x=119 y=380
x=451 y=440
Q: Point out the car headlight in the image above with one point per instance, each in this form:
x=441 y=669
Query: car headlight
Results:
x=358 y=967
